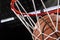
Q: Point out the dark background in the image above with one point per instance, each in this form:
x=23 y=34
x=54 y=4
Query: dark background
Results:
x=13 y=29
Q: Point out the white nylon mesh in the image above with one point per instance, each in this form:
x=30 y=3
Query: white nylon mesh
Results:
x=30 y=24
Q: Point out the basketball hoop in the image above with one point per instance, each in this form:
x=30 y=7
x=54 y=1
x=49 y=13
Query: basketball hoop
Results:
x=40 y=32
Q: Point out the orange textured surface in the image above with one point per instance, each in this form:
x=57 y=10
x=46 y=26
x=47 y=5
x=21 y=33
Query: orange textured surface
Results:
x=47 y=30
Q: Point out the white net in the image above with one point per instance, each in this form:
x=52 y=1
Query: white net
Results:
x=46 y=27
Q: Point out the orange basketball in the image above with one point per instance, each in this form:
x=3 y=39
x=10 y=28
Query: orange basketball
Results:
x=47 y=28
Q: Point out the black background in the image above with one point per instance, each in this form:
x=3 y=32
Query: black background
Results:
x=13 y=29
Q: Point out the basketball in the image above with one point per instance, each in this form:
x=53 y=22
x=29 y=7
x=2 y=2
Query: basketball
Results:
x=47 y=28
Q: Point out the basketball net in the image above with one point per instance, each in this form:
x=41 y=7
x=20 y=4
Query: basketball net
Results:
x=47 y=25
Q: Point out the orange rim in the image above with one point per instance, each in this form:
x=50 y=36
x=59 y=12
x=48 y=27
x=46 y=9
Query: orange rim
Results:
x=39 y=14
